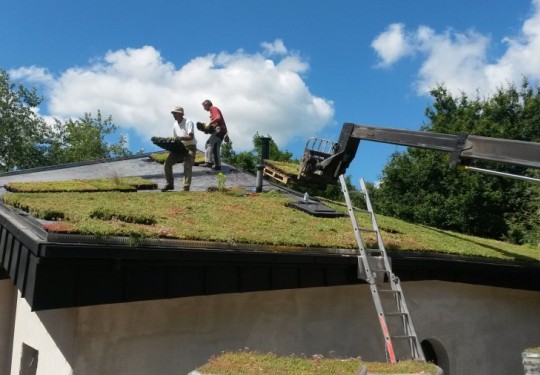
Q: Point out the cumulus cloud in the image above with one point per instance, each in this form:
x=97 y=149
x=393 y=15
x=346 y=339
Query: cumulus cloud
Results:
x=522 y=56
x=391 y=45
x=33 y=73
x=459 y=59
x=455 y=59
x=138 y=87
x=277 y=47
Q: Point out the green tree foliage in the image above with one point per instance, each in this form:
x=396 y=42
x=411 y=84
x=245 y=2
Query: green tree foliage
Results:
x=84 y=139
x=23 y=134
x=418 y=185
x=274 y=153
x=26 y=141
x=248 y=160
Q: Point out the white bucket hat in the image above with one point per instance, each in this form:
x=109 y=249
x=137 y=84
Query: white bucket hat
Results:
x=178 y=110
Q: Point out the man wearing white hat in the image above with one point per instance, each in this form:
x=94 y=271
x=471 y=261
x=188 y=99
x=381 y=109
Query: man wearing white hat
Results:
x=184 y=129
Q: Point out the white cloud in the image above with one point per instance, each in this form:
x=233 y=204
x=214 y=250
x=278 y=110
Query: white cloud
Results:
x=391 y=45
x=32 y=73
x=459 y=60
x=138 y=87
x=277 y=47
x=522 y=58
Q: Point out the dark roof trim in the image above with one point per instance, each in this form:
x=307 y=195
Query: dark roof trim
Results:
x=68 y=274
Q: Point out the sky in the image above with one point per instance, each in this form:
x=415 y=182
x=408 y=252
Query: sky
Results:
x=287 y=69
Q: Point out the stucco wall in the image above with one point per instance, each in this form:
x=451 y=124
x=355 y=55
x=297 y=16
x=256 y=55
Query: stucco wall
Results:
x=483 y=330
x=7 y=316
x=51 y=333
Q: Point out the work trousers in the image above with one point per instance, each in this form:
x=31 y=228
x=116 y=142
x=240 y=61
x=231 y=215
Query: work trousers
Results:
x=213 y=149
x=188 y=160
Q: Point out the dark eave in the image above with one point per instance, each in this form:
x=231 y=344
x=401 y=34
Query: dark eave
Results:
x=52 y=274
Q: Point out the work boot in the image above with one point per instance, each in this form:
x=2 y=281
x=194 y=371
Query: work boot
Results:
x=217 y=168
x=167 y=188
x=185 y=188
x=206 y=165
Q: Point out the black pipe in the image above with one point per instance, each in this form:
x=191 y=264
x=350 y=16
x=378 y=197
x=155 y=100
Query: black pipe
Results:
x=265 y=154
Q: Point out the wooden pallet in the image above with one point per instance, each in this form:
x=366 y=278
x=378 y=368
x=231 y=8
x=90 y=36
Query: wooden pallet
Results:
x=275 y=174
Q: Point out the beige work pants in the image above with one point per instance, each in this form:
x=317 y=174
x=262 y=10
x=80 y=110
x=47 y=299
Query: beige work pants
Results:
x=188 y=160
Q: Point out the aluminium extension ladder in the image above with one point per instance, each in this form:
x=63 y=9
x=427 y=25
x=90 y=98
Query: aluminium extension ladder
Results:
x=374 y=267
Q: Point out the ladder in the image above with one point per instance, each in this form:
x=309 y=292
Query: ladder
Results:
x=374 y=267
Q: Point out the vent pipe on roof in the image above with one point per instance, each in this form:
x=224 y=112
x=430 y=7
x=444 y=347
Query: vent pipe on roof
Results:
x=265 y=154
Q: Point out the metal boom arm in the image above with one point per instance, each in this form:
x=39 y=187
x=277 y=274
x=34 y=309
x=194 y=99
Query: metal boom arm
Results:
x=326 y=166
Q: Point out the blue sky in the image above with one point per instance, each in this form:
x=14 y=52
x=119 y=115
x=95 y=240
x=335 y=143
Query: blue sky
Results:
x=288 y=69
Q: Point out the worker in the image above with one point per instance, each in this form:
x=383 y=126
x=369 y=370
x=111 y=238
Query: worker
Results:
x=184 y=129
x=213 y=144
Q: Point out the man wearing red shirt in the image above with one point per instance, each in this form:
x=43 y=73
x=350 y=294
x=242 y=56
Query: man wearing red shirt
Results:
x=213 y=144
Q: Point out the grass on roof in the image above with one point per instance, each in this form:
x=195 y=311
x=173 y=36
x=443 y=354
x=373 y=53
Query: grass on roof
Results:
x=288 y=168
x=85 y=185
x=160 y=157
x=248 y=362
x=234 y=216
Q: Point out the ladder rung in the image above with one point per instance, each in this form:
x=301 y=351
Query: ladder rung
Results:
x=397 y=313
x=374 y=252
x=364 y=211
x=404 y=337
x=389 y=291
x=367 y=230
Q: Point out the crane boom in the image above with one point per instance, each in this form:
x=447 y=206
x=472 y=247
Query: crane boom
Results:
x=325 y=164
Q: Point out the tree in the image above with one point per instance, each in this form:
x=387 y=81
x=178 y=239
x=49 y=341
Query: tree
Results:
x=248 y=160
x=418 y=185
x=274 y=153
x=23 y=134
x=84 y=139
x=26 y=141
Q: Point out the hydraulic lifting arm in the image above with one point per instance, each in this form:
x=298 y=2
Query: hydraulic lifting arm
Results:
x=324 y=161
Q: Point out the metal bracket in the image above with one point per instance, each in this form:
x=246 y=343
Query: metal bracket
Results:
x=460 y=145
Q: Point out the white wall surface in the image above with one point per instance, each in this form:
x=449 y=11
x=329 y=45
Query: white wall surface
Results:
x=484 y=330
x=51 y=333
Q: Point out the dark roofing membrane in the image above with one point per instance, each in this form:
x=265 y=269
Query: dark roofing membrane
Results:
x=59 y=270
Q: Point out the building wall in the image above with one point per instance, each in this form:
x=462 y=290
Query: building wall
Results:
x=481 y=330
x=7 y=316
x=51 y=333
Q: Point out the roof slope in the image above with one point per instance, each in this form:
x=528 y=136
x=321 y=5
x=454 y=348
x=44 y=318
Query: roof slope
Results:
x=72 y=270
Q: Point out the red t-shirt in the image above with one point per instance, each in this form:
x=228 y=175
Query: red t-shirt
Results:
x=215 y=112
